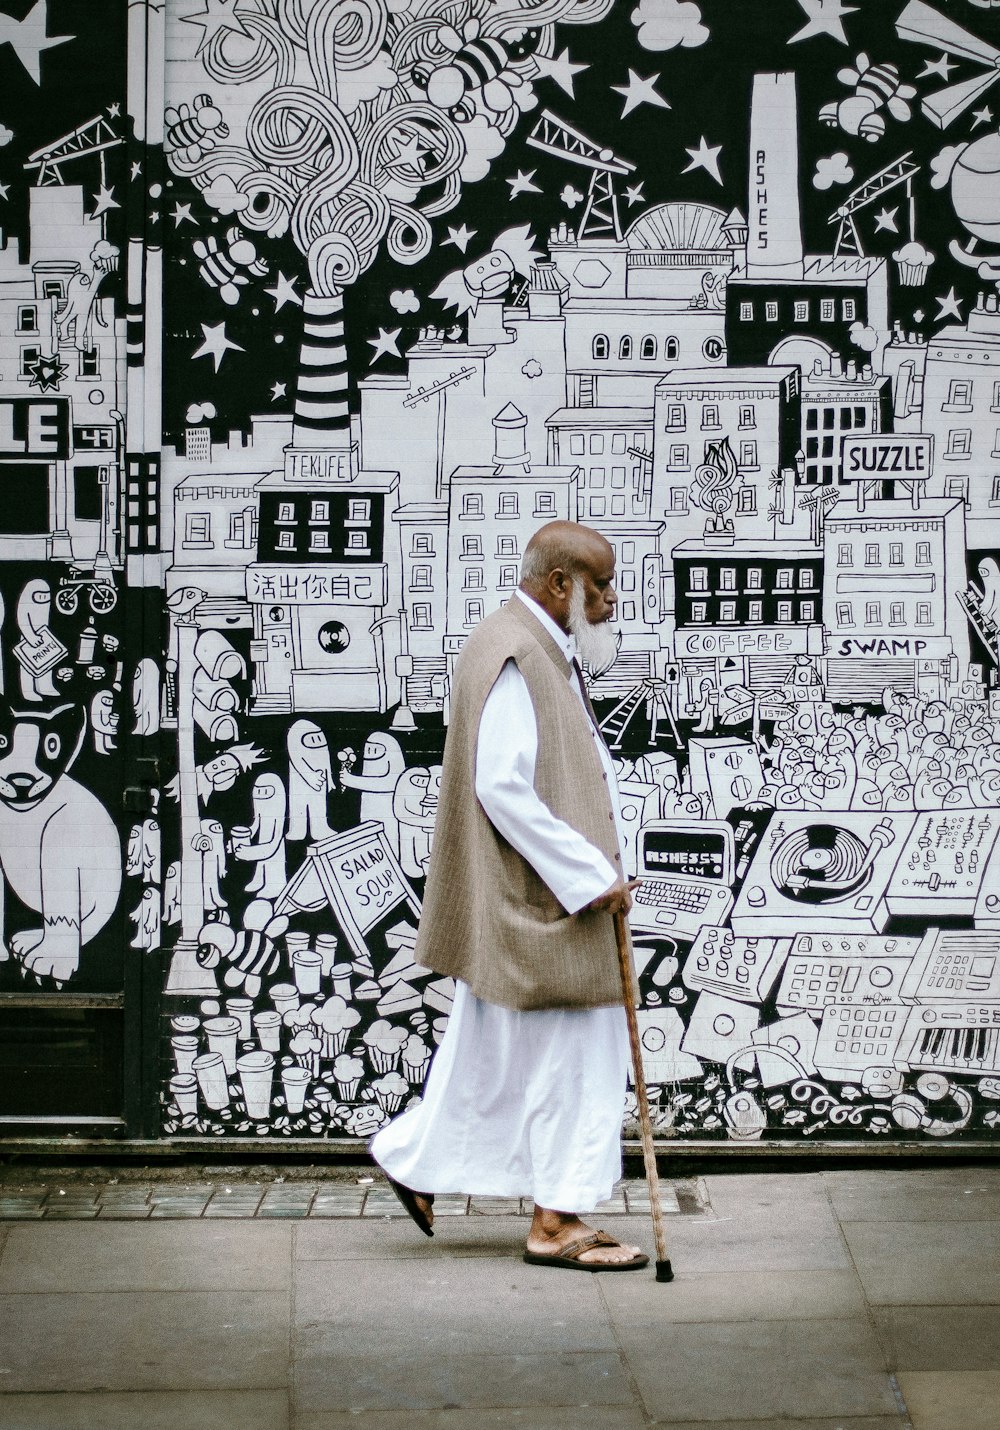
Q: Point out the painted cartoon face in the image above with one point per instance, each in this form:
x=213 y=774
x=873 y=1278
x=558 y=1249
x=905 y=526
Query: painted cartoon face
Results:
x=489 y=275
x=314 y=740
x=35 y=750
x=264 y=791
x=222 y=771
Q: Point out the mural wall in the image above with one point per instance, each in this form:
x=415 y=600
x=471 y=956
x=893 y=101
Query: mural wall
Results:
x=311 y=313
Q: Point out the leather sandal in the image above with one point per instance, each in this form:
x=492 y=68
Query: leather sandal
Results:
x=568 y=1258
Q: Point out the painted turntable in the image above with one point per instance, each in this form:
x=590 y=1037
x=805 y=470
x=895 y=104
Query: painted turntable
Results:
x=817 y=874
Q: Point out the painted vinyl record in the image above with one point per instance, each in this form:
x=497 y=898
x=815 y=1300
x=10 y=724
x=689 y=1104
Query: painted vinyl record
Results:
x=820 y=864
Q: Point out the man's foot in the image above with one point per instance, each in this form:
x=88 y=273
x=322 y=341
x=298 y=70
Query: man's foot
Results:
x=420 y=1205
x=426 y=1205
x=554 y=1233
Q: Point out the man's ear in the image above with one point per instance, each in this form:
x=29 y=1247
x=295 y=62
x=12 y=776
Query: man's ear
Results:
x=558 y=583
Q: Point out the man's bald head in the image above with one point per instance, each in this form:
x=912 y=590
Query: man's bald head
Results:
x=565 y=561
x=565 y=546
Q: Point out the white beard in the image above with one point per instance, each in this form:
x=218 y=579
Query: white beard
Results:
x=597 y=644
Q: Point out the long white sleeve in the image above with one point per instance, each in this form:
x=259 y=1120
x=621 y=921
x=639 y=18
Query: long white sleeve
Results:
x=506 y=751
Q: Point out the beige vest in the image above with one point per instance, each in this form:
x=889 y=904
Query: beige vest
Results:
x=488 y=918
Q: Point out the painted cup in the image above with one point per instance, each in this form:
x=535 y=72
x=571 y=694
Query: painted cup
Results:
x=267 y=1026
x=295 y=1081
x=307 y=970
x=185 y=1046
x=222 y=1034
x=184 y=1090
x=210 y=1070
x=256 y=1072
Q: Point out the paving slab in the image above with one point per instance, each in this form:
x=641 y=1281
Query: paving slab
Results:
x=927 y=1263
x=578 y=1417
x=328 y=1379
x=639 y=1300
x=960 y=1195
x=940 y=1338
x=853 y=1422
x=459 y=1306
x=740 y=1193
x=387 y=1238
x=938 y=1400
x=160 y=1340
x=152 y=1409
x=756 y=1370
x=758 y=1239
x=102 y=1256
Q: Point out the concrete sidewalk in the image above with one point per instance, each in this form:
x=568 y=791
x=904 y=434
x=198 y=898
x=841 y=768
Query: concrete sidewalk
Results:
x=863 y=1300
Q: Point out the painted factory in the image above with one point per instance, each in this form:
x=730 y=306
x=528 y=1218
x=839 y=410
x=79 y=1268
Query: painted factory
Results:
x=712 y=398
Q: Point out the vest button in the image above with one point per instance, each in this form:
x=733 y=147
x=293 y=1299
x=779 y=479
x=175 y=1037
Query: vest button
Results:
x=604 y=778
x=611 y=817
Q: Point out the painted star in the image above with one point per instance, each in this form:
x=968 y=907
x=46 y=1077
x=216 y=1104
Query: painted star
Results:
x=634 y=194
x=278 y=389
x=705 y=156
x=114 y=110
x=410 y=151
x=27 y=38
x=4 y=190
x=217 y=15
x=560 y=68
x=639 y=91
x=950 y=306
x=886 y=219
x=283 y=292
x=136 y=169
x=823 y=17
x=523 y=184
x=461 y=237
x=385 y=345
x=181 y=213
x=216 y=344
x=982 y=116
x=942 y=68
x=47 y=373
x=104 y=200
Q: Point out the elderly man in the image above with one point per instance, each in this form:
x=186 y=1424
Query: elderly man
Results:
x=526 y=1093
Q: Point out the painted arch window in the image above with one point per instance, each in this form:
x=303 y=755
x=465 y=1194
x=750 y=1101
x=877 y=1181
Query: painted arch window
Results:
x=647 y=349
x=671 y=350
x=600 y=347
x=625 y=349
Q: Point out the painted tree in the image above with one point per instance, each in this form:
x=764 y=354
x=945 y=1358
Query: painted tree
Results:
x=353 y=124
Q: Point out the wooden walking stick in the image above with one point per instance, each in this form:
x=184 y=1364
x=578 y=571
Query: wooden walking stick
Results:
x=664 y=1271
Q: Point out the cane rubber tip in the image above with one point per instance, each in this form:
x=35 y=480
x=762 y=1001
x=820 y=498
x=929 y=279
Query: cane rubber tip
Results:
x=664 y=1271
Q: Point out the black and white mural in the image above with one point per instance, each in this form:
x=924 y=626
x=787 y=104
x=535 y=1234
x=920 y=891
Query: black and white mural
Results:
x=309 y=324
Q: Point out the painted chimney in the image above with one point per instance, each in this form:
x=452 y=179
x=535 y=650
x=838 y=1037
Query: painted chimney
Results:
x=774 y=225
x=321 y=447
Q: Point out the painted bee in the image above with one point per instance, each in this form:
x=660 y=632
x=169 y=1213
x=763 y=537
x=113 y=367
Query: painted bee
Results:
x=478 y=68
x=193 y=132
x=876 y=87
x=220 y=267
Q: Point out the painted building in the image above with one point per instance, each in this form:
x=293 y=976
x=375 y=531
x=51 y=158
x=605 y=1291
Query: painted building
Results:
x=62 y=357
x=758 y=412
x=744 y=611
x=893 y=574
x=613 y=448
x=961 y=411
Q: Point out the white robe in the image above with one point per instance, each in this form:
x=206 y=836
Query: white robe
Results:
x=522 y=1104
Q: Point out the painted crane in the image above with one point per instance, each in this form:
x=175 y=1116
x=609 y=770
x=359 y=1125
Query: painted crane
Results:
x=900 y=171
x=601 y=218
